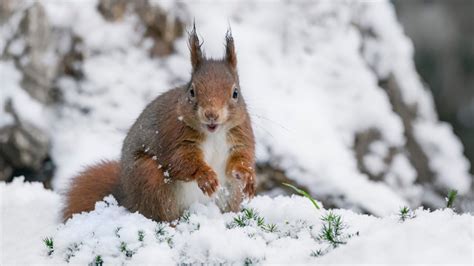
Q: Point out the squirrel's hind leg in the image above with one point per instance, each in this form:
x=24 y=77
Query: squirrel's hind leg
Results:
x=147 y=191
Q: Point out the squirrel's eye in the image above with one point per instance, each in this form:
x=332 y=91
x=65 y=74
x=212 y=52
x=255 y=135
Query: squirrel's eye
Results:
x=235 y=94
x=192 y=93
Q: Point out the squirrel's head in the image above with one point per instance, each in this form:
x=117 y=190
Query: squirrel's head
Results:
x=213 y=99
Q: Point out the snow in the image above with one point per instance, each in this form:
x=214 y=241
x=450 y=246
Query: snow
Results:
x=11 y=90
x=443 y=152
x=391 y=52
x=309 y=91
x=307 y=103
x=30 y=214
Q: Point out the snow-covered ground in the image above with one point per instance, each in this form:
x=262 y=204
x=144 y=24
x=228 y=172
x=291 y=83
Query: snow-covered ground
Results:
x=310 y=91
x=289 y=234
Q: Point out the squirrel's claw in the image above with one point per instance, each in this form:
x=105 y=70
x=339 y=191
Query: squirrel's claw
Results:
x=247 y=175
x=207 y=180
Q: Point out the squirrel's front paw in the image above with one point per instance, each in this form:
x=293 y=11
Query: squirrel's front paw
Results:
x=207 y=180
x=247 y=175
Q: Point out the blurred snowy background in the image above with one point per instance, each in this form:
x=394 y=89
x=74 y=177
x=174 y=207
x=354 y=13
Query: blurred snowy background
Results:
x=336 y=101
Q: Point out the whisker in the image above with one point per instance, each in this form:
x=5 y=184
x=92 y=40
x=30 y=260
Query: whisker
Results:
x=269 y=120
x=265 y=131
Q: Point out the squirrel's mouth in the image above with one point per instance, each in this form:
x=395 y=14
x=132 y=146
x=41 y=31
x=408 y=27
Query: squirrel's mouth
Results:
x=211 y=127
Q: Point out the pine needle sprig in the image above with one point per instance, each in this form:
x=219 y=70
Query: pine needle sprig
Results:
x=332 y=230
x=98 y=261
x=248 y=217
x=185 y=218
x=162 y=235
x=125 y=250
x=71 y=251
x=317 y=253
x=451 y=198
x=141 y=235
x=48 y=241
x=117 y=231
x=270 y=228
x=406 y=213
x=160 y=230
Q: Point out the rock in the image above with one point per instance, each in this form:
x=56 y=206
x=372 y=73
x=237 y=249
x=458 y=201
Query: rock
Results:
x=36 y=51
x=24 y=149
x=6 y=9
x=160 y=26
x=38 y=71
x=6 y=170
x=408 y=114
x=112 y=10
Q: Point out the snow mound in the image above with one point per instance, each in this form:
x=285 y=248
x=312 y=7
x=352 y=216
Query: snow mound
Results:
x=279 y=230
x=27 y=212
x=311 y=75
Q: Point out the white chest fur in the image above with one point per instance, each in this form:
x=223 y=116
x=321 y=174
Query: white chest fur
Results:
x=216 y=152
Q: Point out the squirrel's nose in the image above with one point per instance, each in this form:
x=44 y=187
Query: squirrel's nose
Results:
x=211 y=116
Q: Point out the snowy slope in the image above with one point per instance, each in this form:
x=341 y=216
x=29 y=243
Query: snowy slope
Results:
x=310 y=92
x=309 y=88
x=207 y=236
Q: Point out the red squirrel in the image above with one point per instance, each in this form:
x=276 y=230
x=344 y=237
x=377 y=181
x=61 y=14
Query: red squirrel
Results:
x=193 y=143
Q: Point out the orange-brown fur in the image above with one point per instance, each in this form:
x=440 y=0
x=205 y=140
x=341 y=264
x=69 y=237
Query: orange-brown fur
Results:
x=241 y=160
x=90 y=186
x=163 y=147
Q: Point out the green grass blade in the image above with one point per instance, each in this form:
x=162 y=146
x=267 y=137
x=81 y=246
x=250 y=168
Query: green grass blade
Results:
x=303 y=193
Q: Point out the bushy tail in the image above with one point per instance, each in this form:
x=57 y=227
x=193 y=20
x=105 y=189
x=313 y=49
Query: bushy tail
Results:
x=90 y=186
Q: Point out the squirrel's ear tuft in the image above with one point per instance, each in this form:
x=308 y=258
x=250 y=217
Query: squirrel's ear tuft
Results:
x=195 y=48
x=230 y=55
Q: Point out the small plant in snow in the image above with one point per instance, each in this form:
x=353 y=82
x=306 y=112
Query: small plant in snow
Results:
x=248 y=217
x=251 y=214
x=238 y=221
x=125 y=250
x=406 y=213
x=250 y=261
x=160 y=230
x=141 y=235
x=332 y=230
x=317 y=253
x=71 y=251
x=333 y=226
x=332 y=233
x=117 y=230
x=49 y=245
x=162 y=235
x=97 y=261
x=185 y=217
x=452 y=195
x=270 y=228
